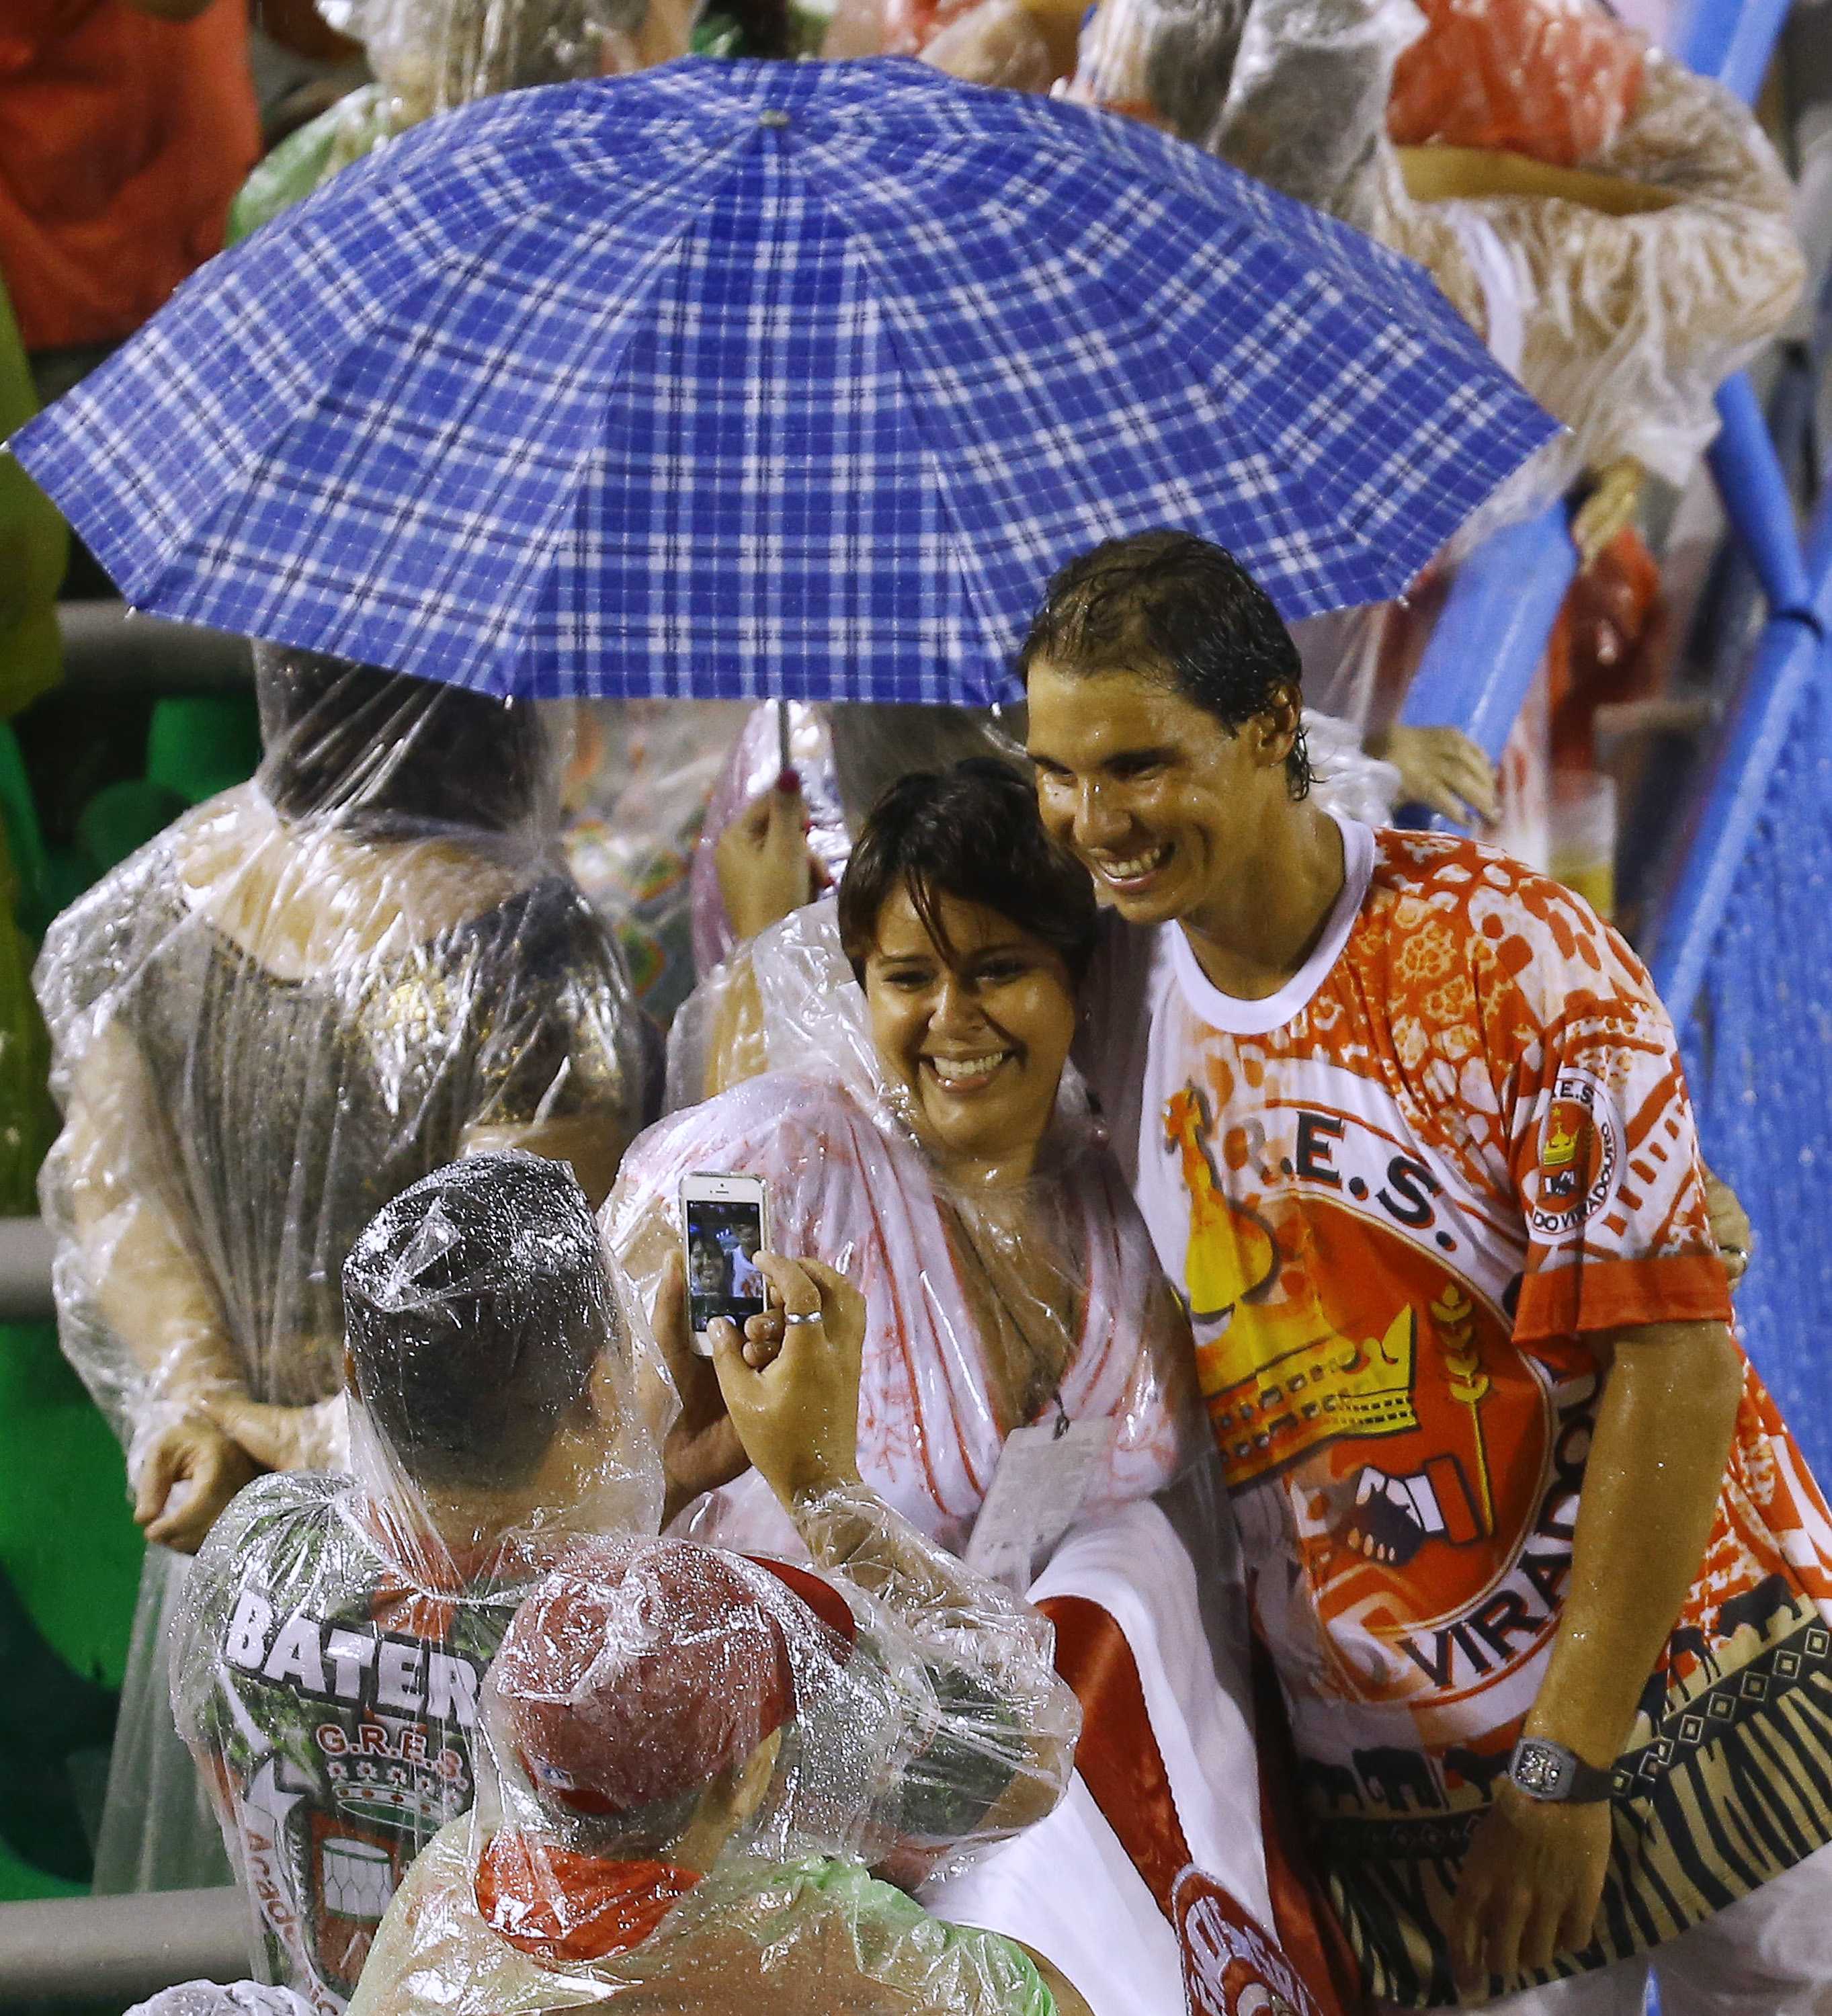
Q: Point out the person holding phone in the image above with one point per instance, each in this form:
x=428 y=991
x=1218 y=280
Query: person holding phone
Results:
x=925 y=1143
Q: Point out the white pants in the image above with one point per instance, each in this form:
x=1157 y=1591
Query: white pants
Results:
x=1769 y=1954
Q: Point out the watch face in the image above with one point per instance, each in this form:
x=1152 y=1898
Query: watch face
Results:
x=1541 y=1769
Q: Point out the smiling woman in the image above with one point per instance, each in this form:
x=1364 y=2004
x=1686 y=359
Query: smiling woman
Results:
x=926 y=1142
x=968 y=931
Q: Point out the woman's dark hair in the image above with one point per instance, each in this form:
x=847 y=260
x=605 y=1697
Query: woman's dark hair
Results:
x=383 y=751
x=1173 y=606
x=476 y=1305
x=973 y=833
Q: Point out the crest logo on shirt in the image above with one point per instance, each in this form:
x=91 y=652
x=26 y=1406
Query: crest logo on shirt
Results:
x=1580 y=1161
x=1232 y=1967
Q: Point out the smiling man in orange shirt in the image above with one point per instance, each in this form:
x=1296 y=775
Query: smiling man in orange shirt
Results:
x=1544 y=1577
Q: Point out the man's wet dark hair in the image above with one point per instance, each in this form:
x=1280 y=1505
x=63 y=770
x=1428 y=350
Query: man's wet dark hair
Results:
x=971 y=832
x=475 y=1304
x=1172 y=606
x=384 y=753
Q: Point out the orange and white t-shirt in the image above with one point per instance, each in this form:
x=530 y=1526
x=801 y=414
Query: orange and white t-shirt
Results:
x=1400 y=1197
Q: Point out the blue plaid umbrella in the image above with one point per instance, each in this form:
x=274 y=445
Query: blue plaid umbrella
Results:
x=768 y=379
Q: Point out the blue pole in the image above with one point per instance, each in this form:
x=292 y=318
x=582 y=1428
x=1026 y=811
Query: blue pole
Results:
x=1488 y=643
x=1749 y=477
x=1732 y=40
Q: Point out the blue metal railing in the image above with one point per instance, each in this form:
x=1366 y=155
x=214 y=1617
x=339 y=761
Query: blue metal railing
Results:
x=1491 y=634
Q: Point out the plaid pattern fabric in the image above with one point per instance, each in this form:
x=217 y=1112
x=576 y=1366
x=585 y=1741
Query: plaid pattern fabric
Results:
x=753 y=378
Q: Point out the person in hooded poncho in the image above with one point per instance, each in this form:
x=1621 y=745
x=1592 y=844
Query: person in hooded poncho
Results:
x=689 y=1759
x=305 y=995
x=686 y=1753
x=336 y=1630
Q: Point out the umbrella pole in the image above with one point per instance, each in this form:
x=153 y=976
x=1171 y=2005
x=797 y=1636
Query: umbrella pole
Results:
x=784 y=765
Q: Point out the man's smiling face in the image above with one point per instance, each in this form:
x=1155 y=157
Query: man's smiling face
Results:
x=1151 y=793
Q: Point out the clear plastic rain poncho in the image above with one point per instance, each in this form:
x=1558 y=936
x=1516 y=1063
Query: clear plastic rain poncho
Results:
x=846 y=756
x=211 y=1998
x=306 y=995
x=693 y=1759
x=429 y=56
x=637 y=793
x=336 y=1630
x=1621 y=325
x=1041 y=1310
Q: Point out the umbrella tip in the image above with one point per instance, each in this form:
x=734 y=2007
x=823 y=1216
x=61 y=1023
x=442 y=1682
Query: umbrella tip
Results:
x=774 y=117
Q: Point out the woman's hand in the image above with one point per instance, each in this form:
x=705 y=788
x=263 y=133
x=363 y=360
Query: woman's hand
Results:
x=797 y=1411
x=702 y=1451
x=189 y=1473
x=1443 y=769
x=765 y=868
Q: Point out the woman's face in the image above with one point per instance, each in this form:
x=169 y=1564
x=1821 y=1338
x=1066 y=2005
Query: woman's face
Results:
x=980 y=1043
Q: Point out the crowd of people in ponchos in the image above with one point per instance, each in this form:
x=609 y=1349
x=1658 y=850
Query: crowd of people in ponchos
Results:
x=1201 y=1218
x=528 y=1657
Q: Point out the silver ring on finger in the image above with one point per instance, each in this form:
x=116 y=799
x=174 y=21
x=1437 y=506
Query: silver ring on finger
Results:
x=792 y=1316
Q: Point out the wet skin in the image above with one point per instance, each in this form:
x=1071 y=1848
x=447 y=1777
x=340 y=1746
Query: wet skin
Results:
x=1179 y=817
x=977 y=1031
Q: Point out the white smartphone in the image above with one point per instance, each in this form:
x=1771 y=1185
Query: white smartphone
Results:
x=724 y=1224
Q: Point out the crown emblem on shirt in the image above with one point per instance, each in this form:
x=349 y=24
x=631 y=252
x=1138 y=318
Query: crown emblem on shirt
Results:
x=1560 y=1148
x=1325 y=1386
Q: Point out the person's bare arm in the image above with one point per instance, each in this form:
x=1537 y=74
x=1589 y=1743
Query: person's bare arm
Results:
x=1534 y=1875
x=1069 y=2000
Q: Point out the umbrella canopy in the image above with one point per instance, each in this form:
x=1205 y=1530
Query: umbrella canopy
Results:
x=743 y=379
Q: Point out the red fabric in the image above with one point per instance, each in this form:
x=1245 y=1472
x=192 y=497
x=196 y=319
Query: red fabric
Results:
x=820 y=1596
x=123 y=139
x=1301 y=1913
x=1613 y=641
x=1550 y=79
x=911 y=25
x=1117 y=1755
x=1123 y=1770
x=1622 y=1294
x=563 y=1907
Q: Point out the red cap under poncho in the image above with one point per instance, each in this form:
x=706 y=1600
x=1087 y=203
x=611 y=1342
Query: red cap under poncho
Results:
x=638 y=1672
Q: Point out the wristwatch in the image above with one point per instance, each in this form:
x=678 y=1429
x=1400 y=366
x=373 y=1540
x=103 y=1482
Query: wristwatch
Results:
x=1548 y=1771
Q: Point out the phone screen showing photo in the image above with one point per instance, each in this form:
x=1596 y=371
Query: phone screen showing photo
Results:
x=723 y=1278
